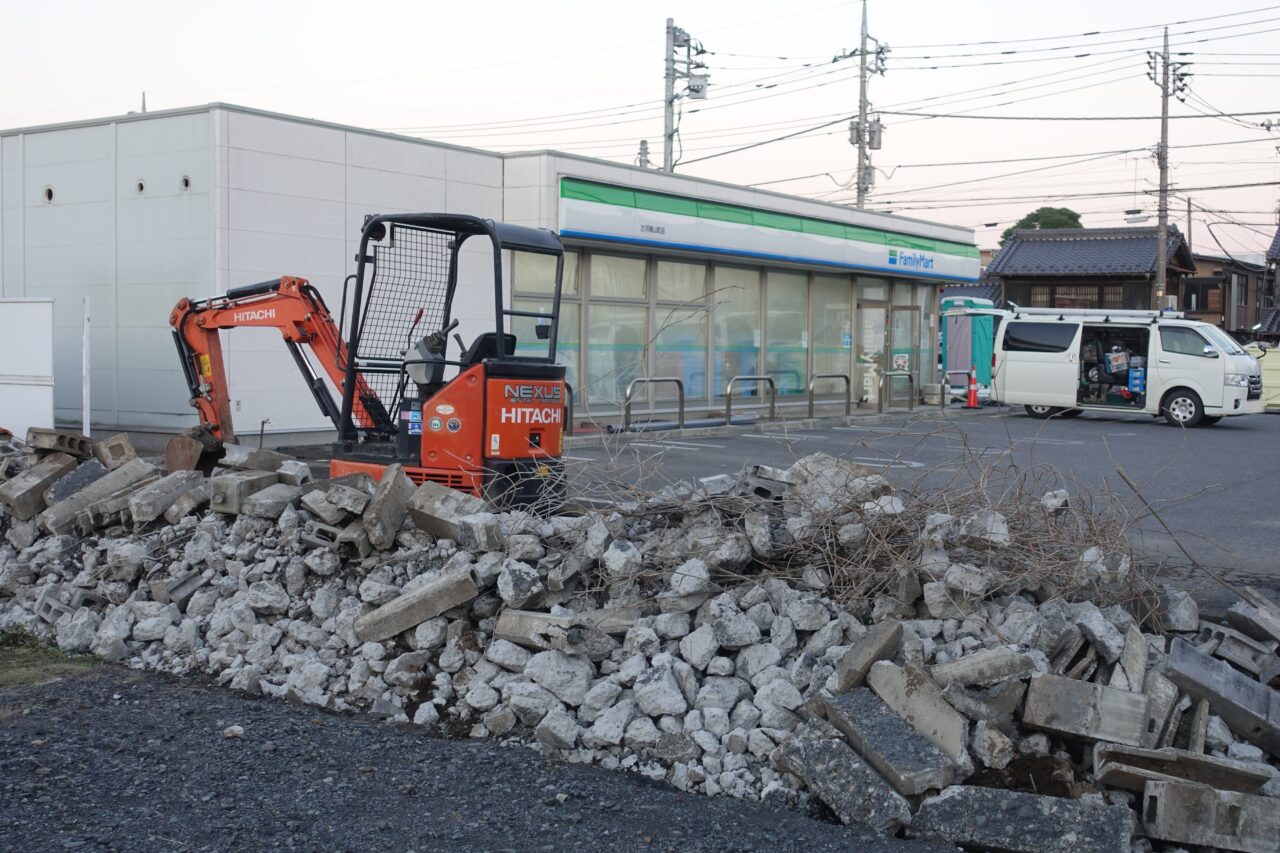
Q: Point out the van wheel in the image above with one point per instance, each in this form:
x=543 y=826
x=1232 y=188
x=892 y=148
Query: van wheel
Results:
x=1071 y=413
x=1210 y=421
x=1042 y=412
x=1182 y=408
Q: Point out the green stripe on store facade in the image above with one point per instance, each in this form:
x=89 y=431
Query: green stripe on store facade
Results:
x=580 y=190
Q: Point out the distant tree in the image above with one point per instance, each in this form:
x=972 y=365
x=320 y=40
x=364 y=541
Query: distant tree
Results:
x=1044 y=217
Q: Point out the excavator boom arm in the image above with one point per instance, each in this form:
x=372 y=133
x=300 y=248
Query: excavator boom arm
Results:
x=291 y=306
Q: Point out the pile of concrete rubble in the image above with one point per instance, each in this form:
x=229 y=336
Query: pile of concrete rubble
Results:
x=703 y=636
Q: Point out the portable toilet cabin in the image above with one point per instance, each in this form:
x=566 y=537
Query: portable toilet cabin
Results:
x=967 y=339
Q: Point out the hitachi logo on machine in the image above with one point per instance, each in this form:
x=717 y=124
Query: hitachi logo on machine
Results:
x=260 y=314
x=523 y=415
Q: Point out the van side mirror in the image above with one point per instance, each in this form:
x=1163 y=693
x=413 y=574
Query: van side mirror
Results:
x=1210 y=352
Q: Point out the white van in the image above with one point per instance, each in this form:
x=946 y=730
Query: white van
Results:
x=1061 y=362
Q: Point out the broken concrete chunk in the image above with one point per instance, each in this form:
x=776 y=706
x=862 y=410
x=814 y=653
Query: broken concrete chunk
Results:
x=1084 y=710
x=995 y=704
x=114 y=451
x=251 y=459
x=1180 y=612
x=387 y=508
x=437 y=509
x=270 y=502
x=153 y=500
x=1200 y=816
x=991 y=746
x=294 y=472
x=1257 y=622
x=229 y=490
x=986 y=666
x=880 y=643
x=908 y=760
x=985 y=529
x=994 y=819
x=1231 y=645
x=1132 y=768
x=317 y=503
x=443 y=592
x=1162 y=695
x=1250 y=708
x=24 y=494
x=915 y=698
x=62 y=518
x=189 y=501
x=840 y=778
x=68 y=484
x=1130 y=672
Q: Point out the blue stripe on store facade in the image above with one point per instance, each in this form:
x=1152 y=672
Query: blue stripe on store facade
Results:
x=691 y=247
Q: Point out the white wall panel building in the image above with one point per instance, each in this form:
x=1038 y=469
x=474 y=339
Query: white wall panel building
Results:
x=141 y=210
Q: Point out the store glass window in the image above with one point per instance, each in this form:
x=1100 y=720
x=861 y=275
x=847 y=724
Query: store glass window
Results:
x=902 y=293
x=568 y=343
x=613 y=276
x=678 y=282
x=737 y=325
x=873 y=290
x=925 y=363
x=787 y=330
x=680 y=351
x=616 y=340
x=534 y=273
x=831 y=319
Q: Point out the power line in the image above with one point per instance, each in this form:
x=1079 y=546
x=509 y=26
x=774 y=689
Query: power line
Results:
x=1066 y=118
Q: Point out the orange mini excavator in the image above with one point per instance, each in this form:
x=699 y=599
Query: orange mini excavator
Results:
x=494 y=429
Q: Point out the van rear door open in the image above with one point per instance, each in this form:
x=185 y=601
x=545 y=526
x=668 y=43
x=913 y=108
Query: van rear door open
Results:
x=1039 y=363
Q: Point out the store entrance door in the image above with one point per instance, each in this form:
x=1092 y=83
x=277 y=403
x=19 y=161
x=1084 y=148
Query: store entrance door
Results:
x=872 y=319
x=904 y=334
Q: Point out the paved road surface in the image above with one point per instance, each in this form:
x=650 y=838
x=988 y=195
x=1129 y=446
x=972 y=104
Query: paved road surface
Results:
x=1217 y=487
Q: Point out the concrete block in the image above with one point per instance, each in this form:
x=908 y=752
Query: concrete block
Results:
x=1131 y=768
x=50 y=608
x=530 y=628
x=113 y=509
x=294 y=472
x=915 y=698
x=150 y=502
x=881 y=642
x=44 y=441
x=243 y=458
x=73 y=481
x=24 y=494
x=480 y=531
x=1236 y=647
x=1131 y=670
x=228 y=491
x=1084 y=710
x=1198 y=727
x=1260 y=623
x=1180 y=709
x=355 y=536
x=1162 y=696
x=436 y=509
x=995 y=819
x=1250 y=708
x=988 y=666
x=321 y=535
x=353 y=499
x=189 y=501
x=318 y=504
x=114 y=451
x=1197 y=815
x=837 y=776
x=180 y=589
x=909 y=761
x=387 y=508
x=270 y=502
x=996 y=704
x=62 y=518
x=443 y=592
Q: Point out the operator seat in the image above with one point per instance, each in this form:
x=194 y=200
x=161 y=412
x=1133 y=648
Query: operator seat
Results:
x=486 y=346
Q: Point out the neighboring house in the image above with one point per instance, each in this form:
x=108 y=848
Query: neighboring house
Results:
x=1233 y=293
x=1268 y=327
x=1087 y=267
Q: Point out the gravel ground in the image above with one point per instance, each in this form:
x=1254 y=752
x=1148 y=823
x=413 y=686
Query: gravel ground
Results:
x=118 y=760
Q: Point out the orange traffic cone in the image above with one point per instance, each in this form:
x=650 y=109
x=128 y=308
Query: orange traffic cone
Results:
x=972 y=402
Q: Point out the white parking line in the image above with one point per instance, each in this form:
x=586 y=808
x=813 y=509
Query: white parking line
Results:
x=1056 y=441
x=675 y=445
x=887 y=431
x=886 y=463
x=778 y=436
x=577 y=458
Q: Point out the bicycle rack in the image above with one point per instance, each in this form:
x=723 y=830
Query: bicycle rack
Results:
x=646 y=380
x=944 y=387
x=848 y=390
x=728 y=396
x=911 y=389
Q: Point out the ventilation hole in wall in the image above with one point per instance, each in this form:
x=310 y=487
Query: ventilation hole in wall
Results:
x=185 y=182
x=48 y=194
x=141 y=186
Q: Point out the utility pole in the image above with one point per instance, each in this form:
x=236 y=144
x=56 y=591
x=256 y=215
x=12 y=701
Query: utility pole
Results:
x=863 y=184
x=1162 y=159
x=669 y=101
x=1188 y=223
x=695 y=88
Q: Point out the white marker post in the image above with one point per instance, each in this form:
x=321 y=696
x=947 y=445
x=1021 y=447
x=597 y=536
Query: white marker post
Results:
x=84 y=372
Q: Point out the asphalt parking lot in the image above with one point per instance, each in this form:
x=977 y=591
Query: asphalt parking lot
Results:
x=1217 y=487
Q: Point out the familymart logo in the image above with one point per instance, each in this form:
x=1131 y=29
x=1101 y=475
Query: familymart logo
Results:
x=912 y=260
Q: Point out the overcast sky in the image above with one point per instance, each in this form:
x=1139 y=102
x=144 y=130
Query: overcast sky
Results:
x=586 y=77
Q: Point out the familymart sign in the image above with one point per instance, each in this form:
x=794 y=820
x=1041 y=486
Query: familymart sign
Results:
x=613 y=214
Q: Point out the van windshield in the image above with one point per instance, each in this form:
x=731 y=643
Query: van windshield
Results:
x=1224 y=341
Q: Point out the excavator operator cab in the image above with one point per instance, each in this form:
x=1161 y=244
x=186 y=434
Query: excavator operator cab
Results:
x=486 y=418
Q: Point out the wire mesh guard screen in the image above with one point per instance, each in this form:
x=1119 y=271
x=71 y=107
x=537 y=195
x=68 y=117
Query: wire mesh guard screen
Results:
x=410 y=273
